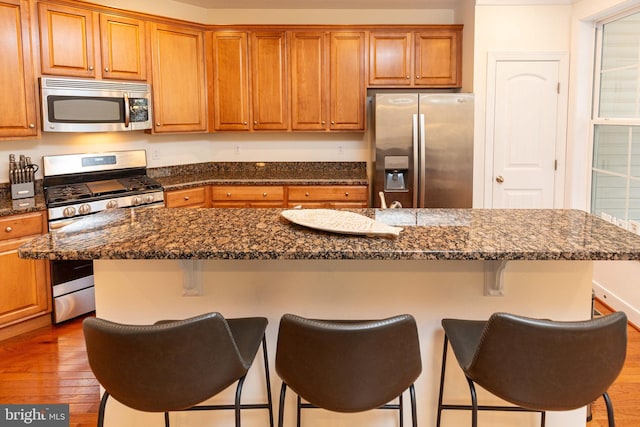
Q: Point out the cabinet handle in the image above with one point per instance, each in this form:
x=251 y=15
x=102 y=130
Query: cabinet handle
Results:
x=323 y=122
x=332 y=122
x=106 y=70
x=228 y=194
x=264 y=194
x=158 y=124
x=306 y=194
x=408 y=77
x=90 y=67
x=186 y=198
x=8 y=229
x=244 y=123
x=255 y=122
x=418 y=77
x=31 y=126
x=346 y=194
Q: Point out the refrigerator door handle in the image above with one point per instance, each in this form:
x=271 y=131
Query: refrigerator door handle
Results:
x=423 y=163
x=416 y=162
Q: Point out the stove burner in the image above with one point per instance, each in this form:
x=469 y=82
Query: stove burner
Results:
x=138 y=183
x=63 y=193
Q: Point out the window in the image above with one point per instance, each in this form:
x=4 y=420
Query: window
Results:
x=615 y=185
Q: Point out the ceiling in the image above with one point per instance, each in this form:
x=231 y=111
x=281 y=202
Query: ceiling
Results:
x=322 y=4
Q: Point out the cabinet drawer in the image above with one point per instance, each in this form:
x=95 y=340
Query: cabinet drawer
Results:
x=185 y=198
x=249 y=193
x=15 y=226
x=329 y=193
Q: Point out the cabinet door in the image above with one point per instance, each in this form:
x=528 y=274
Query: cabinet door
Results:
x=18 y=109
x=390 y=59
x=269 y=81
x=347 y=81
x=67 y=37
x=438 y=58
x=230 y=81
x=123 y=43
x=309 y=92
x=23 y=285
x=179 y=83
x=189 y=198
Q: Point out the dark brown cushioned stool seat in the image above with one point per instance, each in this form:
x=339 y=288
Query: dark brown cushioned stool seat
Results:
x=348 y=365
x=537 y=365
x=175 y=365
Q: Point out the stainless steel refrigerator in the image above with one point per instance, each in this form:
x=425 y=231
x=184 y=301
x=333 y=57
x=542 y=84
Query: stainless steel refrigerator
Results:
x=424 y=149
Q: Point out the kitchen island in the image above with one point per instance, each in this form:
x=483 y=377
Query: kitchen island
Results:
x=153 y=264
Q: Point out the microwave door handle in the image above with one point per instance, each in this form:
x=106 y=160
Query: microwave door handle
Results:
x=127 y=111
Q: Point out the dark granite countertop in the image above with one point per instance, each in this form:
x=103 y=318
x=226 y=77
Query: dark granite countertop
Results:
x=261 y=173
x=428 y=234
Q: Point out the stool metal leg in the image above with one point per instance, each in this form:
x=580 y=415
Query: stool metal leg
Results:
x=283 y=392
x=267 y=379
x=474 y=404
x=414 y=412
x=237 y=401
x=400 y=410
x=607 y=401
x=442 y=371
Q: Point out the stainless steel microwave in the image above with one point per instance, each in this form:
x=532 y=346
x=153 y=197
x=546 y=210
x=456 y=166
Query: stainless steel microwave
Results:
x=75 y=105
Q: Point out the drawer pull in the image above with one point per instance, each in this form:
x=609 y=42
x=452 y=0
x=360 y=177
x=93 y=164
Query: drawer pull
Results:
x=346 y=194
x=264 y=194
x=186 y=198
x=228 y=194
x=8 y=229
x=306 y=194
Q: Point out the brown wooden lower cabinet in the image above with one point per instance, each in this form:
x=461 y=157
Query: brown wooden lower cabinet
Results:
x=189 y=198
x=329 y=196
x=247 y=196
x=24 y=283
x=270 y=196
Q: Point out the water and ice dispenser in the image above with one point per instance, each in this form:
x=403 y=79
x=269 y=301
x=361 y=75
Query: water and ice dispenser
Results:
x=396 y=173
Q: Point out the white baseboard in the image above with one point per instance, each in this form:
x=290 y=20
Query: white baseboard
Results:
x=616 y=303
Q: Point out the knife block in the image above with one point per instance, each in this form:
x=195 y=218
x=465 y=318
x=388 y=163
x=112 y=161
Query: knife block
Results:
x=22 y=190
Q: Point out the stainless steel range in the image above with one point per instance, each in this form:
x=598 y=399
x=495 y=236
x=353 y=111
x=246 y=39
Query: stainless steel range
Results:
x=76 y=185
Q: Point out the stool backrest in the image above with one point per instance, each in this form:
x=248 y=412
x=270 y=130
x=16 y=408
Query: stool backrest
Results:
x=167 y=366
x=348 y=366
x=549 y=365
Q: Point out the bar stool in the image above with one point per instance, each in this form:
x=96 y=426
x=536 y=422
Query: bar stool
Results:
x=348 y=365
x=537 y=365
x=175 y=365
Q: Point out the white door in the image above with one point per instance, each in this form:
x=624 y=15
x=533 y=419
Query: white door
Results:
x=527 y=130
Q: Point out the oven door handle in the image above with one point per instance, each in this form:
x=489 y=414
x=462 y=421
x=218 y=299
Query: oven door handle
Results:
x=59 y=224
x=127 y=111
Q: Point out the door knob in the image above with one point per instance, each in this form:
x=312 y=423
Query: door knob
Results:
x=499 y=179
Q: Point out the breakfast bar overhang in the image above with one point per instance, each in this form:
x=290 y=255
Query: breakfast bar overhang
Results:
x=153 y=264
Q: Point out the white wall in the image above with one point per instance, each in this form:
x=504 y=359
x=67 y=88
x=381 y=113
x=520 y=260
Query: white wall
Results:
x=509 y=28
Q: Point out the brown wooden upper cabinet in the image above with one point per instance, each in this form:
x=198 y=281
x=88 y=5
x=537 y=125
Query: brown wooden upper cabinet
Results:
x=17 y=117
x=83 y=43
x=250 y=101
x=426 y=58
x=179 y=81
x=327 y=80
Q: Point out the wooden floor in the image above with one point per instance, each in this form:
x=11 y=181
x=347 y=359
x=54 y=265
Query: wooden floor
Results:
x=50 y=366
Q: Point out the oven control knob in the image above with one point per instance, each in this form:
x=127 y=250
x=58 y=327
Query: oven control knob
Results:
x=112 y=204
x=137 y=201
x=84 y=209
x=148 y=198
x=69 y=212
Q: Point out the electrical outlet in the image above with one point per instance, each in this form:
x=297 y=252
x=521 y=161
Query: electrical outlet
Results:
x=155 y=154
x=340 y=150
x=236 y=149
